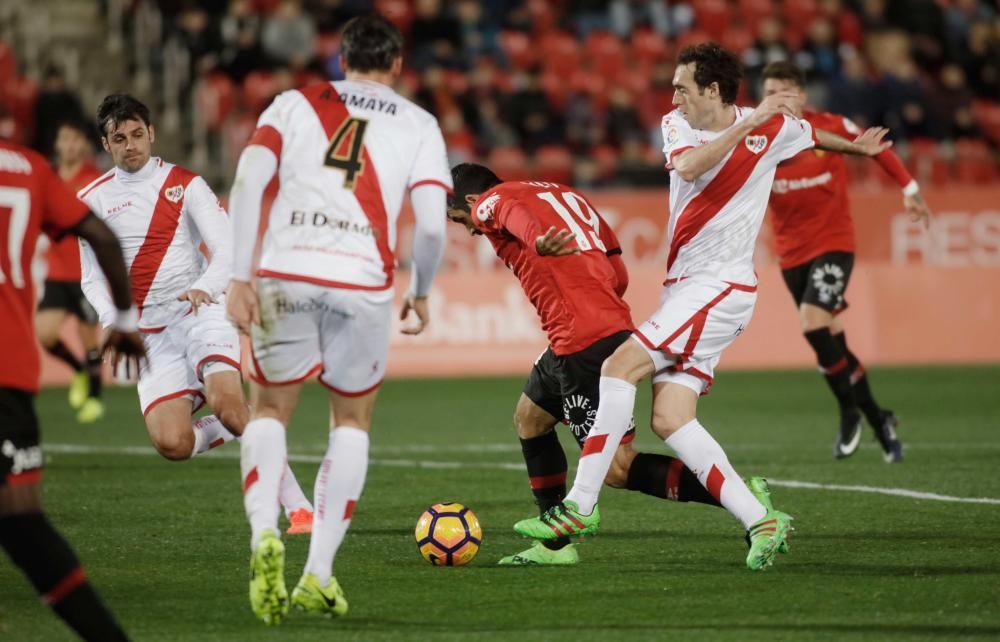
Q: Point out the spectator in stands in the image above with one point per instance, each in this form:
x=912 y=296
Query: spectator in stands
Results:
x=851 y=93
x=622 y=118
x=820 y=55
x=904 y=103
x=626 y=15
x=529 y=113
x=435 y=36
x=479 y=37
x=982 y=59
x=330 y=15
x=289 y=36
x=56 y=104
x=768 y=47
x=951 y=104
x=199 y=35
x=240 y=29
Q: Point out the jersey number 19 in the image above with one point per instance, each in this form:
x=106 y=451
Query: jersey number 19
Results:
x=583 y=214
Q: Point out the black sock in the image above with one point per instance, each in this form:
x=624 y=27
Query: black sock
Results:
x=667 y=478
x=546 y=464
x=60 y=351
x=859 y=381
x=94 y=372
x=52 y=568
x=833 y=361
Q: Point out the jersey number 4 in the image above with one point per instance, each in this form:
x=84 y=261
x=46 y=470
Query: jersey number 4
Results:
x=15 y=207
x=346 y=150
x=583 y=214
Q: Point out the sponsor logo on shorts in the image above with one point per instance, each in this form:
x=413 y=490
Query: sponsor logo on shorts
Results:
x=321 y=219
x=580 y=414
x=828 y=280
x=307 y=305
x=22 y=458
x=756 y=144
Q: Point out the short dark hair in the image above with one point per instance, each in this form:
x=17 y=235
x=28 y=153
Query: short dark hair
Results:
x=76 y=123
x=117 y=108
x=470 y=178
x=370 y=43
x=712 y=63
x=784 y=70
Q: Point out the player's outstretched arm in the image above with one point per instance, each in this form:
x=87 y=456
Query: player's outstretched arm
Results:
x=870 y=143
x=123 y=340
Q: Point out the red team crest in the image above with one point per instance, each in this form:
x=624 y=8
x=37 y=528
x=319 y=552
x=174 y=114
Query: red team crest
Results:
x=756 y=144
x=174 y=194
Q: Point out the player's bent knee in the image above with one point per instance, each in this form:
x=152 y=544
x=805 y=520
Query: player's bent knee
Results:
x=667 y=422
x=231 y=411
x=174 y=445
x=629 y=362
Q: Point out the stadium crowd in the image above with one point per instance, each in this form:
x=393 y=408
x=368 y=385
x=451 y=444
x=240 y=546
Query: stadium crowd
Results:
x=574 y=90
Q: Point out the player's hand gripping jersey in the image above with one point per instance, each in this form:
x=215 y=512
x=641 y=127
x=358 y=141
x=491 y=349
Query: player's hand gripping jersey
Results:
x=715 y=219
x=578 y=296
x=160 y=214
x=809 y=197
x=349 y=151
x=32 y=200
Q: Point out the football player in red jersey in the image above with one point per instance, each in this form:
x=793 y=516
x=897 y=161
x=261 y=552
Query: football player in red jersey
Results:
x=815 y=244
x=569 y=263
x=63 y=296
x=32 y=200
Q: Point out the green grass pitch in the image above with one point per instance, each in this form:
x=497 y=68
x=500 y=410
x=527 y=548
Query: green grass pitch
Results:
x=167 y=543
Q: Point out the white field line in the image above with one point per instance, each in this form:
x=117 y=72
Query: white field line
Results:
x=232 y=453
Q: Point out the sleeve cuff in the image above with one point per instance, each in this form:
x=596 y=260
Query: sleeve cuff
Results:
x=911 y=189
x=126 y=320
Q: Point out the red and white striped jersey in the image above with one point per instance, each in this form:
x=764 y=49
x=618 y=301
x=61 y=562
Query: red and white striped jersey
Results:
x=348 y=153
x=715 y=219
x=160 y=214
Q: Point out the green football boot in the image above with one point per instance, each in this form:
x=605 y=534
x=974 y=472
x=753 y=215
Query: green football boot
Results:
x=268 y=595
x=766 y=538
x=91 y=411
x=328 y=601
x=78 y=390
x=562 y=519
x=762 y=491
x=540 y=555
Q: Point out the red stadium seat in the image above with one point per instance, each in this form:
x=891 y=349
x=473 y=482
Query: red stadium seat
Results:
x=397 y=12
x=519 y=49
x=509 y=163
x=751 y=11
x=554 y=163
x=258 y=88
x=606 y=159
x=543 y=16
x=20 y=94
x=973 y=162
x=215 y=96
x=560 y=52
x=712 y=17
x=554 y=86
x=799 y=14
x=693 y=37
x=606 y=53
x=8 y=63
x=649 y=47
x=737 y=40
x=987 y=115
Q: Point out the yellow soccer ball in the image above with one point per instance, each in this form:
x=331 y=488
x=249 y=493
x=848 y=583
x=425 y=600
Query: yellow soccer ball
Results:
x=448 y=535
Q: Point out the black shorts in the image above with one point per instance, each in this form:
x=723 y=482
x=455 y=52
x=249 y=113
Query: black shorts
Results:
x=821 y=281
x=567 y=387
x=20 y=452
x=68 y=296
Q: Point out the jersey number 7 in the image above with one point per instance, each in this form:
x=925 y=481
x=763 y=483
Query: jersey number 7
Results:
x=345 y=150
x=16 y=201
x=583 y=214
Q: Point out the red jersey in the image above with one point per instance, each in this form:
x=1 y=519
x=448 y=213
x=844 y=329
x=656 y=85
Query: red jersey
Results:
x=811 y=213
x=32 y=200
x=64 y=255
x=577 y=297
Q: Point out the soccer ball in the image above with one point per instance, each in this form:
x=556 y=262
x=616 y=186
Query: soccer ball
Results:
x=448 y=535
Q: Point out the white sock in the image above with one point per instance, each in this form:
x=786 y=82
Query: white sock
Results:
x=704 y=456
x=292 y=497
x=209 y=433
x=262 y=462
x=614 y=415
x=339 y=483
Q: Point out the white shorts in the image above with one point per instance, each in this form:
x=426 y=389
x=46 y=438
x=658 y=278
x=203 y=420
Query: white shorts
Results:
x=697 y=319
x=308 y=329
x=184 y=352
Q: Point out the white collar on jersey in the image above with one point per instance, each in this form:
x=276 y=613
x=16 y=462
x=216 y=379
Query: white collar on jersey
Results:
x=145 y=173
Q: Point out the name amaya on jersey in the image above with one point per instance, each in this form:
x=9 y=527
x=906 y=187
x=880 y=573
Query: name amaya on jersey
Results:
x=715 y=219
x=160 y=214
x=348 y=152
